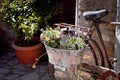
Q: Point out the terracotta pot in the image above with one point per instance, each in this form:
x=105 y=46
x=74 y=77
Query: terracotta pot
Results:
x=28 y=55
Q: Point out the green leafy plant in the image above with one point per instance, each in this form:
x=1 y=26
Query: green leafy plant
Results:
x=21 y=16
x=65 y=39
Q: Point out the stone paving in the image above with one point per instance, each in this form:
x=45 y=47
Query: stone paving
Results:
x=11 y=69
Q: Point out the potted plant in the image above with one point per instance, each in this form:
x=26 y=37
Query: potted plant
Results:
x=64 y=48
x=24 y=21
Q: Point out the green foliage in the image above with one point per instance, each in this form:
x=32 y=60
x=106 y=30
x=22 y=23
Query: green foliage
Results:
x=56 y=38
x=21 y=16
x=75 y=43
x=27 y=16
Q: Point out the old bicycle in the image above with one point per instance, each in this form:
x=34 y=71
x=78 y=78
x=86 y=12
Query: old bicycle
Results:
x=103 y=68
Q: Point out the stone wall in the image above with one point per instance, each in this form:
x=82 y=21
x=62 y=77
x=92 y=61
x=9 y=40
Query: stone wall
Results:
x=107 y=30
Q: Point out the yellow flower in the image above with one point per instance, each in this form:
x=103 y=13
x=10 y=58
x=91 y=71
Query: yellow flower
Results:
x=47 y=38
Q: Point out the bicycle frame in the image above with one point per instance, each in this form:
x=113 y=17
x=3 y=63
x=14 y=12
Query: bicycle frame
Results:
x=100 y=69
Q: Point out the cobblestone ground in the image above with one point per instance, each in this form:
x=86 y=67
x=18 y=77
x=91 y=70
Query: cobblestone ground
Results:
x=10 y=69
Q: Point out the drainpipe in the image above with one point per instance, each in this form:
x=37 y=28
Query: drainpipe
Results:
x=76 y=12
x=117 y=38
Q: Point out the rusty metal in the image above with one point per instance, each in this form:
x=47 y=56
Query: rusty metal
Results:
x=99 y=72
x=93 y=52
x=51 y=70
x=96 y=24
x=100 y=53
x=109 y=75
x=37 y=60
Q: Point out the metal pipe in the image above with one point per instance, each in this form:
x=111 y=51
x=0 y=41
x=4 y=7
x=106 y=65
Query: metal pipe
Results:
x=117 y=38
x=77 y=12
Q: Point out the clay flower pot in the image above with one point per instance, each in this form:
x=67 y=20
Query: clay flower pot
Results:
x=28 y=55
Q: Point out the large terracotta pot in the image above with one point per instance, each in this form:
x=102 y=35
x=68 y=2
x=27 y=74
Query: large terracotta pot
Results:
x=28 y=55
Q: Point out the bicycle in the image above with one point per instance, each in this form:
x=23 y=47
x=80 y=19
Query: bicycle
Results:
x=99 y=70
x=104 y=74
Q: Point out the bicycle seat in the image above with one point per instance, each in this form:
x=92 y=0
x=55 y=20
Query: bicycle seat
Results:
x=94 y=15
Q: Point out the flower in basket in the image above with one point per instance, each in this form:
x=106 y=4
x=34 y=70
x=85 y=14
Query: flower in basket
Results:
x=64 y=47
x=64 y=38
x=51 y=37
